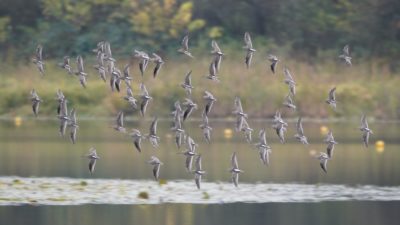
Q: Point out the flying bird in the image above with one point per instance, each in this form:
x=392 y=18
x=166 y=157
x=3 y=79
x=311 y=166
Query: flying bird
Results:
x=288 y=102
x=115 y=80
x=100 y=66
x=110 y=67
x=73 y=124
x=330 y=140
x=119 y=123
x=346 y=55
x=159 y=62
x=247 y=130
x=156 y=163
x=145 y=97
x=184 y=49
x=63 y=117
x=178 y=128
x=323 y=161
x=329 y=149
x=365 y=129
x=332 y=98
x=143 y=60
x=178 y=112
x=212 y=73
x=107 y=52
x=130 y=98
x=264 y=155
x=290 y=81
x=274 y=62
x=190 y=106
x=38 y=60
x=206 y=128
x=300 y=132
x=263 y=148
x=60 y=99
x=209 y=99
x=99 y=47
x=81 y=71
x=100 y=59
x=126 y=76
x=278 y=119
x=249 y=49
x=66 y=65
x=198 y=173
x=191 y=143
x=177 y=124
x=137 y=139
x=280 y=131
x=187 y=84
x=189 y=153
x=179 y=136
x=35 y=99
x=235 y=169
x=152 y=136
x=218 y=54
x=92 y=156
x=280 y=126
x=262 y=140
x=240 y=115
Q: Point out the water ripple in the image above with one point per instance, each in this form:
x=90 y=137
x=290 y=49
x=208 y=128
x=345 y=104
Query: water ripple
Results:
x=68 y=191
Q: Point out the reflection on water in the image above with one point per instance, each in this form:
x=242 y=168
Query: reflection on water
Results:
x=35 y=149
x=327 y=213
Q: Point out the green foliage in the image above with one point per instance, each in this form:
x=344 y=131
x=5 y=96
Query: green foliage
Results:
x=162 y=182
x=163 y=21
x=303 y=27
x=215 y=32
x=360 y=89
x=4 y=24
x=66 y=27
x=308 y=31
x=206 y=195
x=143 y=195
x=16 y=181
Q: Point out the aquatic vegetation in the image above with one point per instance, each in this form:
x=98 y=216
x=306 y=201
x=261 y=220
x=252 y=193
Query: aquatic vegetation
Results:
x=206 y=195
x=162 y=182
x=63 y=191
x=143 y=195
x=17 y=181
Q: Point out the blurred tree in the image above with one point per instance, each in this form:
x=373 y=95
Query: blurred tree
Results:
x=162 y=21
x=80 y=13
x=307 y=27
x=387 y=33
x=4 y=28
x=125 y=23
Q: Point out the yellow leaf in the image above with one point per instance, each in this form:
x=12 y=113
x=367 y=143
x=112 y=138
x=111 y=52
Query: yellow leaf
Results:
x=215 y=32
x=196 y=24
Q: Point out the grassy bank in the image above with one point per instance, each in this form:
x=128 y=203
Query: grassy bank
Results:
x=362 y=88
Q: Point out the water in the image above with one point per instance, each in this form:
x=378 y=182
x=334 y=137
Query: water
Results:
x=39 y=168
x=233 y=214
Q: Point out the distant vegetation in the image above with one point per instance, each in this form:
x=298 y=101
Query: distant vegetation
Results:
x=362 y=88
x=307 y=35
x=304 y=29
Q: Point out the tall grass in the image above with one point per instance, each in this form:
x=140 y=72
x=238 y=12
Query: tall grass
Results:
x=363 y=88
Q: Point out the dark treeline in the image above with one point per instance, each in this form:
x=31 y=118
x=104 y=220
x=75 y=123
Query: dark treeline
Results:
x=305 y=28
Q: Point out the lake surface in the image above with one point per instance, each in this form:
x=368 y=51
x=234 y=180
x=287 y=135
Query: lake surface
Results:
x=39 y=169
